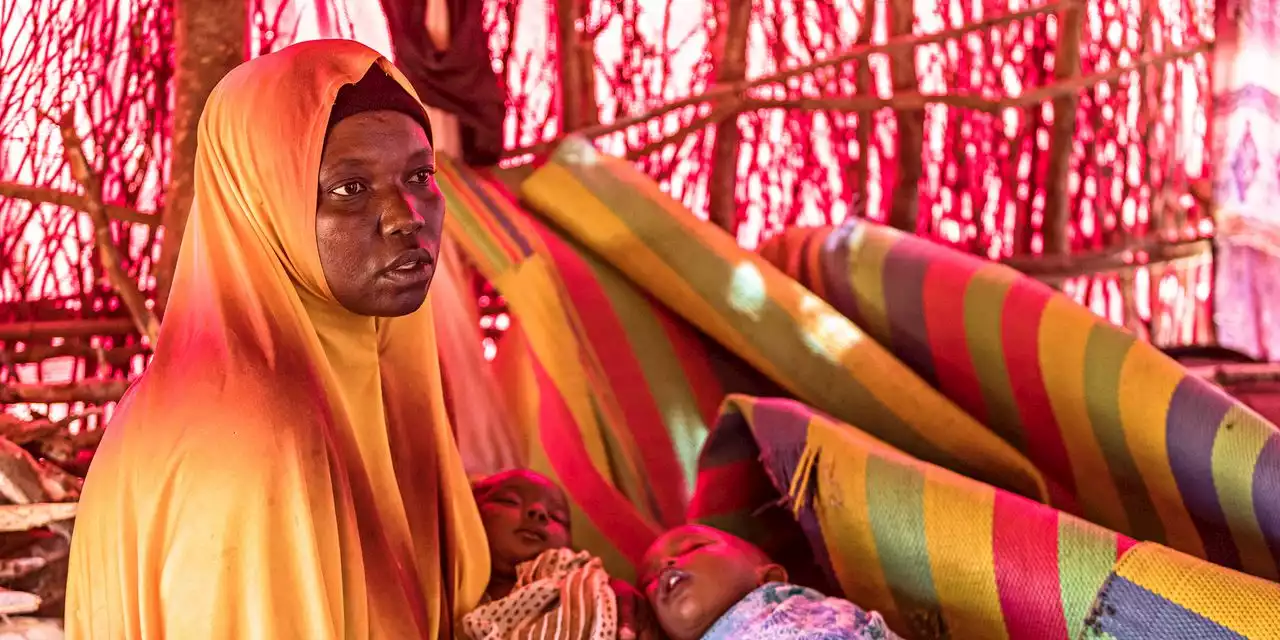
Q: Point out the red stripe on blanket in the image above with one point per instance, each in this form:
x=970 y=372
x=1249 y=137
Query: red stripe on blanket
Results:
x=1023 y=308
x=616 y=356
x=1025 y=548
x=945 y=284
x=608 y=509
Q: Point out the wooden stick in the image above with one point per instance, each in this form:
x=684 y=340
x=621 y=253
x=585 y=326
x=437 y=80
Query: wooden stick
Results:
x=24 y=517
x=1228 y=374
x=21 y=431
x=118 y=356
x=731 y=67
x=716 y=93
x=24 y=331
x=109 y=256
x=904 y=197
x=42 y=195
x=1062 y=133
x=86 y=391
x=1122 y=258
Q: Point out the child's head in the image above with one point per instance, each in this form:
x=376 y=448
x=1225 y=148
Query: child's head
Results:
x=693 y=574
x=524 y=514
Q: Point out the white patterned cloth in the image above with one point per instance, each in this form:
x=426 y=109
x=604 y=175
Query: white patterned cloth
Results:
x=560 y=595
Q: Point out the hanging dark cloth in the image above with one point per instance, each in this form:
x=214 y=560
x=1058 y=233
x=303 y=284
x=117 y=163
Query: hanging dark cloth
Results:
x=459 y=80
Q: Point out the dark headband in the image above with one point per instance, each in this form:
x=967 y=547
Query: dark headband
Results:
x=376 y=91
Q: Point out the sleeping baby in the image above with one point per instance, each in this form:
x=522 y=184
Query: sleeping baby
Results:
x=538 y=586
x=705 y=584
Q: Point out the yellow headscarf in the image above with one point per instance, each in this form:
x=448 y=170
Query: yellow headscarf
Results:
x=285 y=468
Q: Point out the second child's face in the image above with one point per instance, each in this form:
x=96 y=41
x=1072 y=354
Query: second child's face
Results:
x=524 y=514
x=692 y=575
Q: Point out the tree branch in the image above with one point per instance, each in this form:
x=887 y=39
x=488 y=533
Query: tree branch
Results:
x=717 y=93
x=731 y=67
x=209 y=41
x=1132 y=256
x=42 y=195
x=25 y=331
x=86 y=391
x=904 y=203
x=118 y=356
x=1062 y=133
x=108 y=254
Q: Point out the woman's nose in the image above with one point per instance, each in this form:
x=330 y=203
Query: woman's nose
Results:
x=399 y=218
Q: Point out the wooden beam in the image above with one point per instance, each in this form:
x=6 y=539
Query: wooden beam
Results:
x=117 y=356
x=1062 y=133
x=1059 y=267
x=42 y=195
x=87 y=391
x=108 y=254
x=904 y=203
x=732 y=25
x=25 y=331
x=718 y=93
x=210 y=39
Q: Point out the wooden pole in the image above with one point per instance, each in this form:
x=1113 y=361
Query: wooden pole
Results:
x=87 y=391
x=576 y=58
x=108 y=253
x=25 y=331
x=210 y=40
x=720 y=93
x=733 y=23
x=1057 y=210
x=43 y=195
x=904 y=207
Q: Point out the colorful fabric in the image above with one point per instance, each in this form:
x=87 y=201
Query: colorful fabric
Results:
x=1156 y=593
x=1246 y=177
x=560 y=594
x=1123 y=435
x=284 y=468
x=778 y=611
x=617 y=391
x=488 y=438
x=768 y=320
x=937 y=554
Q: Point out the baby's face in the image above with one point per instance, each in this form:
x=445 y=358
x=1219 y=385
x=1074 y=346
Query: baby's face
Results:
x=693 y=574
x=524 y=514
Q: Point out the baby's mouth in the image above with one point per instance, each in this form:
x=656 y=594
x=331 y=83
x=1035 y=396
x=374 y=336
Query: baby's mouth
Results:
x=670 y=580
x=531 y=535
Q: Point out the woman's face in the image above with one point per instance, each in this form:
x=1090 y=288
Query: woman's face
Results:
x=379 y=217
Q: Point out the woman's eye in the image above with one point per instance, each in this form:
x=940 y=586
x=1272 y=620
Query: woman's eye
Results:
x=347 y=189
x=422 y=176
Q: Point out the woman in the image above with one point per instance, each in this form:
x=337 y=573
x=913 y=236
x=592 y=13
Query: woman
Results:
x=285 y=468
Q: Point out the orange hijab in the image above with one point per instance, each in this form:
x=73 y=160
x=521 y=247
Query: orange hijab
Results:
x=285 y=468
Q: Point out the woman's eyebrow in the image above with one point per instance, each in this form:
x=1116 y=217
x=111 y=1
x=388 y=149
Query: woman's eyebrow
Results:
x=344 y=165
x=422 y=156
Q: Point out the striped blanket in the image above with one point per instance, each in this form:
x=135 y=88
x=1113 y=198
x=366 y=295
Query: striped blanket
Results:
x=942 y=556
x=1123 y=435
x=614 y=390
x=988 y=390
x=761 y=315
